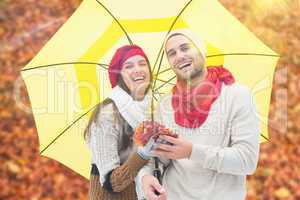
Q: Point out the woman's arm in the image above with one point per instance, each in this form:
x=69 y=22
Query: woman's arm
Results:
x=125 y=174
x=104 y=137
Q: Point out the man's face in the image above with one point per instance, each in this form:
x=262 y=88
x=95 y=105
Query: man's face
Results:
x=184 y=58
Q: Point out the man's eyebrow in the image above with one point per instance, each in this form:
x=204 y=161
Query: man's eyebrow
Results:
x=184 y=44
x=170 y=51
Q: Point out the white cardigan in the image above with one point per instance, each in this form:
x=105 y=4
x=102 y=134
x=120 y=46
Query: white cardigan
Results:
x=225 y=149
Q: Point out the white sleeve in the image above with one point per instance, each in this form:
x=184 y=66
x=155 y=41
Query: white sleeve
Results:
x=146 y=170
x=241 y=156
x=104 y=146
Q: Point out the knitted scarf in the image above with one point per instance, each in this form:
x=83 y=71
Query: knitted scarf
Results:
x=192 y=105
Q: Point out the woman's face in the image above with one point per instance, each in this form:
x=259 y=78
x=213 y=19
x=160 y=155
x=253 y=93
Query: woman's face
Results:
x=136 y=75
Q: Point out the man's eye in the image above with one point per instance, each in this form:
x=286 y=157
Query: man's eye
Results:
x=171 y=54
x=185 y=48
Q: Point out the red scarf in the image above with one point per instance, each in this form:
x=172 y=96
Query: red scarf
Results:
x=192 y=105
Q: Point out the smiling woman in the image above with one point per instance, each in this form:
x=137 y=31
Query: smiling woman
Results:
x=109 y=135
x=136 y=75
x=26 y=26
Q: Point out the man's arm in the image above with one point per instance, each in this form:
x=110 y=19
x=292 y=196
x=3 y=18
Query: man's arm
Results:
x=240 y=158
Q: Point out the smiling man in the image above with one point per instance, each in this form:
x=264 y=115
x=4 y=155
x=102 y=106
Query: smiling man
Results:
x=215 y=118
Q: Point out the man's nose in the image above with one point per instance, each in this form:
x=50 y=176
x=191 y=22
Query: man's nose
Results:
x=179 y=56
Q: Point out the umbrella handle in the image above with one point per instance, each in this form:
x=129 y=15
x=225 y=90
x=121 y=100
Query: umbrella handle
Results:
x=156 y=171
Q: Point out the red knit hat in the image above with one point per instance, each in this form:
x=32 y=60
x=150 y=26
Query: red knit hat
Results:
x=121 y=55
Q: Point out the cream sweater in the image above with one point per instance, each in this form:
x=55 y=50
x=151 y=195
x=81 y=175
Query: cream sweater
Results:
x=106 y=144
x=225 y=149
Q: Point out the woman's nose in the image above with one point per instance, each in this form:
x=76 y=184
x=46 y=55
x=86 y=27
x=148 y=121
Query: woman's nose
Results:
x=137 y=68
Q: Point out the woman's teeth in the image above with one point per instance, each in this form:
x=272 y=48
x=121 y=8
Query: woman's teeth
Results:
x=139 y=78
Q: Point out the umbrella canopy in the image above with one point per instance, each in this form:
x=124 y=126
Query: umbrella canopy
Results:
x=68 y=77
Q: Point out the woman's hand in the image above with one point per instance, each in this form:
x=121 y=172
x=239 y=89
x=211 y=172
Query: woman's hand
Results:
x=146 y=151
x=148 y=129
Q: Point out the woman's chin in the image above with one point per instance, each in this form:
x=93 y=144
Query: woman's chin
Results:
x=139 y=94
x=138 y=97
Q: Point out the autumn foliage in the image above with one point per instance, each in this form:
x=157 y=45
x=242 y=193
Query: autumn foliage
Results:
x=148 y=129
x=26 y=26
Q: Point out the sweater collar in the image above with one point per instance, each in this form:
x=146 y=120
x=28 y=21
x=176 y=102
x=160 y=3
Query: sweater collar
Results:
x=133 y=111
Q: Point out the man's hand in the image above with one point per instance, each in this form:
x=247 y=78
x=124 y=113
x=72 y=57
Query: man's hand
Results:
x=177 y=148
x=151 y=186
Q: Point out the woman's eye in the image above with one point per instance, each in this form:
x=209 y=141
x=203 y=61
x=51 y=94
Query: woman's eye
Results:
x=128 y=66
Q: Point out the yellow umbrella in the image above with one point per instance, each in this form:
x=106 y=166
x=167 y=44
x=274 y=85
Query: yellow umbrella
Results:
x=68 y=77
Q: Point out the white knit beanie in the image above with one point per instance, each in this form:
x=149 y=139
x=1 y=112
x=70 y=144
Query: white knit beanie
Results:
x=195 y=39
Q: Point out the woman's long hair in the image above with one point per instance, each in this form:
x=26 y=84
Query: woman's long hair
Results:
x=125 y=126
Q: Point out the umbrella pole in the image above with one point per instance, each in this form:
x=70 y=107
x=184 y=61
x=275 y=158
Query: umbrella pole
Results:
x=156 y=171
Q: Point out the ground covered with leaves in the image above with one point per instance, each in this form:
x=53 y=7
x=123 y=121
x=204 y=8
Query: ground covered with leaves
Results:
x=26 y=26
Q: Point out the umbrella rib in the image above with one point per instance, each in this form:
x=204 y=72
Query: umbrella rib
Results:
x=159 y=53
x=162 y=54
x=243 y=54
x=157 y=58
x=123 y=29
x=159 y=66
x=175 y=20
x=231 y=54
x=104 y=66
x=165 y=83
x=171 y=27
x=265 y=137
x=158 y=93
x=67 y=128
x=165 y=70
x=155 y=98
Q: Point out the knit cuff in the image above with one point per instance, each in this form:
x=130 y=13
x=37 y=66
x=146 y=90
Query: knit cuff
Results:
x=135 y=162
x=107 y=184
x=124 y=175
x=142 y=155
